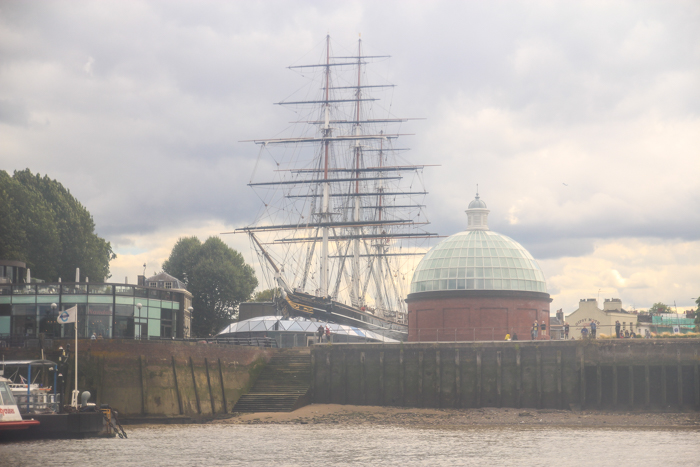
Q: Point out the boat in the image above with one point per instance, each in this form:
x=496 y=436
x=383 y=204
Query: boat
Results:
x=342 y=223
x=33 y=388
x=10 y=418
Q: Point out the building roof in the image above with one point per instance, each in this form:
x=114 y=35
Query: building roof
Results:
x=163 y=277
x=478 y=259
x=477 y=203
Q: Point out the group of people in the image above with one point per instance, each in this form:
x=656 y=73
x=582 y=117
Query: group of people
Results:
x=540 y=329
x=324 y=333
x=619 y=332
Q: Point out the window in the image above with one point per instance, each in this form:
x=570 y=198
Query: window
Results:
x=153 y=284
x=168 y=285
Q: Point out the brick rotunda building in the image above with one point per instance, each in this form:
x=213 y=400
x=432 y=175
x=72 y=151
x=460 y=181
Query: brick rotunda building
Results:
x=477 y=285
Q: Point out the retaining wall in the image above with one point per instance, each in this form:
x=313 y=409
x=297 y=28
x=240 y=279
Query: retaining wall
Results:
x=156 y=378
x=606 y=374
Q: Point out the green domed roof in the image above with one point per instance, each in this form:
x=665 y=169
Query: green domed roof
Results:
x=478 y=260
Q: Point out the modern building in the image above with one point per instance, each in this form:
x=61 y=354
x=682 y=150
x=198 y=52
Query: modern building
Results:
x=107 y=310
x=477 y=285
x=605 y=319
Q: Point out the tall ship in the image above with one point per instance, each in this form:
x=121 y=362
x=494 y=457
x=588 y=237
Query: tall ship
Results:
x=342 y=223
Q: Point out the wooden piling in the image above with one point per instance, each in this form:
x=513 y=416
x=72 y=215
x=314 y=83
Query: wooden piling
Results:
x=599 y=385
x=498 y=378
x=177 y=386
x=458 y=381
x=438 y=395
x=478 y=379
x=142 y=380
x=211 y=394
x=420 y=379
x=560 y=401
x=518 y=380
x=223 y=389
x=194 y=384
x=538 y=378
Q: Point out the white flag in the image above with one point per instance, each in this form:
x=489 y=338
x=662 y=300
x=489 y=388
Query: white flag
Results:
x=68 y=316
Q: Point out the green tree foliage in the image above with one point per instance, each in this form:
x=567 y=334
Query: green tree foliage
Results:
x=697 y=315
x=266 y=295
x=42 y=224
x=218 y=278
x=659 y=308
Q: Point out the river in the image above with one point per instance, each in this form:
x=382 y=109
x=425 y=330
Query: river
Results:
x=324 y=445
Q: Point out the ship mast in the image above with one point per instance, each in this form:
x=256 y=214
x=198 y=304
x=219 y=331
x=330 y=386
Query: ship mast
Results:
x=358 y=301
x=335 y=196
x=325 y=214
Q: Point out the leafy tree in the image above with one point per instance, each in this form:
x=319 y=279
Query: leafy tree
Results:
x=697 y=315
x=42 y=224
x=659 y=308
x=266 y=295
x=217 y=277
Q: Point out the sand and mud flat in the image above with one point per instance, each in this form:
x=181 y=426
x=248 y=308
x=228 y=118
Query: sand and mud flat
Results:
x=397 y=416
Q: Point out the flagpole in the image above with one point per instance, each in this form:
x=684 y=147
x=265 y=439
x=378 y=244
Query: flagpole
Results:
x=75 y=388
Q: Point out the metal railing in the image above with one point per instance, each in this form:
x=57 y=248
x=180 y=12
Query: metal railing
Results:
x=47 y=402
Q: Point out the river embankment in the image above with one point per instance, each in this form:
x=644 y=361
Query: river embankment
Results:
x=351 y=415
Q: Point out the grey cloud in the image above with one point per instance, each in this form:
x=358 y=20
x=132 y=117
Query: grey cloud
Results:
x=150 y=139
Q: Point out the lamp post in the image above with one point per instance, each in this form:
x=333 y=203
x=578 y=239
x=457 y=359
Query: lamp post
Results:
x=138 y=305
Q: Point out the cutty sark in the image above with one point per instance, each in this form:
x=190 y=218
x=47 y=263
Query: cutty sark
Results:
x=342 y=222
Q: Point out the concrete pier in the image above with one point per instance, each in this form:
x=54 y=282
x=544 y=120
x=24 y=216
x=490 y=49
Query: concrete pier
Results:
x=606 y=374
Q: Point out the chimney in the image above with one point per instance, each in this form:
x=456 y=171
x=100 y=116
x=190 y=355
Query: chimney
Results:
x=29 y=276
x=77 y=274
x=126 y=280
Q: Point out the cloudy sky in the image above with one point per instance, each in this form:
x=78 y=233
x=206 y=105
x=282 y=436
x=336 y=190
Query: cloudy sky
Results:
x=579 y=121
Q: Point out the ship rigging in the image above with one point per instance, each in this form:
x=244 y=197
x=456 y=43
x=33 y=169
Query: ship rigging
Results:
x=343 y=222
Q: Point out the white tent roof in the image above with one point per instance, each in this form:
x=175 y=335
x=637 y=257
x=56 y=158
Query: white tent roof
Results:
x=267 y=323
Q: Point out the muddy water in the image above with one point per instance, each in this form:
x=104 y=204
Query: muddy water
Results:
x=324 y=445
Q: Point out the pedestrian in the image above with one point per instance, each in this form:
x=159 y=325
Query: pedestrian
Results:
x=617 y=329
x=543 y=328
x=566 y=330
x=320 y=333
x=627 y=333
x=328 y=333
x=515 y=336
x=535 y=328
x=594 y=328
x=584 y=332
x=507 y=337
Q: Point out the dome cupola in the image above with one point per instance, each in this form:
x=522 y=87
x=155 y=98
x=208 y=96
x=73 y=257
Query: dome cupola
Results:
x=477 y=214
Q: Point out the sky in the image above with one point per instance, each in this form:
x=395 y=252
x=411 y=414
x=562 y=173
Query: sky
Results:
x=579 y=121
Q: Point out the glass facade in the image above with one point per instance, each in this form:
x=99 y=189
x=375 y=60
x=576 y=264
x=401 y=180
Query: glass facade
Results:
x=478 y=260
x=104 y=310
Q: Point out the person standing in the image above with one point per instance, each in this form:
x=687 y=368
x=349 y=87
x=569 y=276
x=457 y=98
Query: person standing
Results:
x=617 y=329
x=535 y=328
x=328 y=333
x=566 y=330
x=320 y=333
x=543 y=328
x=594 y=328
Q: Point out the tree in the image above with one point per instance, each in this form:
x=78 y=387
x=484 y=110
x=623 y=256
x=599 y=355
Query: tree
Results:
x=697 y=315
x=266 y=295
x=42 y=224
x=659 y=308
x=217 y=277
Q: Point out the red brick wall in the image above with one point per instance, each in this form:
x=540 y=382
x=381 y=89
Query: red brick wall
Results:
x=466 y=316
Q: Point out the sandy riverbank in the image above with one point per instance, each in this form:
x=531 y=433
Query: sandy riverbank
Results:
x=397 y=416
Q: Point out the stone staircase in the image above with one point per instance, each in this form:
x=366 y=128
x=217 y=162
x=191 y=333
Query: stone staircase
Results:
x=283 y=384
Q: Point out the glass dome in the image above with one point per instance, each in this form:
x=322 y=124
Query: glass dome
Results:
x=478 y=260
